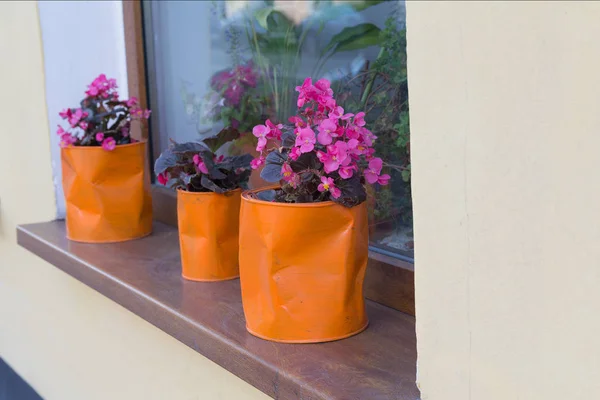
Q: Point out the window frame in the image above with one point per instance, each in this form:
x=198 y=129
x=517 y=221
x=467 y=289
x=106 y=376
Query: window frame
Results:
x=389 y=279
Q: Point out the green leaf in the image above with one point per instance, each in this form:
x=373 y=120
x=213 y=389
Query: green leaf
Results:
x=272 y=20
x=354 y=38
x=361 y=5
x=226 y=135
x=406 y=175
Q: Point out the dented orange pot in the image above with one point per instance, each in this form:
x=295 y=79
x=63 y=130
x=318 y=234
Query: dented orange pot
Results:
x=302 y=268
x=107 y=193
x=208 y=234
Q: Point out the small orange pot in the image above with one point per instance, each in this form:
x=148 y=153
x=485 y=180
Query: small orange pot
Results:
x=302 y=268
x=107 y=193
x=208 y=234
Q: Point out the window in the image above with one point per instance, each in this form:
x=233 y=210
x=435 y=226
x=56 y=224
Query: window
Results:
x=236 y=63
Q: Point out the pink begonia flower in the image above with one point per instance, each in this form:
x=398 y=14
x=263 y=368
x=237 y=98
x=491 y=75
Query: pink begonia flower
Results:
x=261 y=132
x=109 y=144
x=147 y=114
x=125 y=131
x=294 y=153
x=67 y=139
x=218 y=159
x=132 y=102
x=335 y=156
x=324 y=86
x=327 y=184
x=115 y=96
x=372 y=173
x=304 y=91
x=162 y=178
x=200 y=164
x=83 y=125
x=306 y=140
x=76 y=117
x=383 y=179
x=66 y=113
x=274 y=130
x=355 y=147
x=99 y=136
x=60 y=131
x=346 y=172
x=352 y=132
x=367 y=136
x=287 y=172
x=299 y=122
x=257 y=162
x=359 y=119
x=326 y=128
x=338 y=113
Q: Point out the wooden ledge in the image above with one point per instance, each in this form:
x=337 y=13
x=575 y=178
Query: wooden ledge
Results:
x=144 y=277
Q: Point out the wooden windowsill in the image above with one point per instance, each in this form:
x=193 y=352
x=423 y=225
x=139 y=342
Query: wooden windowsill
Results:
x=144 y=276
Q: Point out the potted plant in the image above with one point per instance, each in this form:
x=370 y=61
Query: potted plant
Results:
x=304 y=244
x=105 y=182
x=208 y=204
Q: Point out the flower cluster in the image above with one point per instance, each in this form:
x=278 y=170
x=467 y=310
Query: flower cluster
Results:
x=195 y=167
x=323 y=154
x=233 y=84
x=103 y=119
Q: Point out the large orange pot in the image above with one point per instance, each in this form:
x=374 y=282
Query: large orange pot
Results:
x=208 y=234
x=107 y=193
x=302 y=268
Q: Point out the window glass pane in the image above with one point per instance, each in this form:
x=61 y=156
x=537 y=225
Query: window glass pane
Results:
x=237 y=63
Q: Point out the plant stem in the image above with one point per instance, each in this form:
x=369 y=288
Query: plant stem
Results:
x=370 y=82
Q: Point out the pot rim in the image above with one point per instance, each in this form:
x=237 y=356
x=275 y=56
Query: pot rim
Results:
x=119 y=146
x=328 y=203
x=187 y=192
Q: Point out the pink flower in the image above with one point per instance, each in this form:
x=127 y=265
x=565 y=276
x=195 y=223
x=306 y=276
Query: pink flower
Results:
x=338 y=113
x=355 y=147
x=125 y=131
x=327 y=184
x=359 y=119
x=162 y=178
x=367 y=136
x=299 y=122
x=347 y=172
x=132 y=102
x=66 y=140
x=76 y=117
x=335 y=156
x=352 y=132
x=274 y=130
x=261 y=132
x=257 y=162
x=294 y=153
x=109 y=144
x=200 y=164
x=324 y=86
x=60 y=131
x=304 y=91
x=287 y=173
x=218 y=159
x=66 y=113
x=233 y=94
x=372 y=173
x=83 y=125
x=306 y=140
x=147 y=114
x=383 y=179
x=326 y=127
x=99 y=136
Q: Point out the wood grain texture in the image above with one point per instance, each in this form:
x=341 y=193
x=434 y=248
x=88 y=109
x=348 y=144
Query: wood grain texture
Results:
x=136 y=63
x=144 y=276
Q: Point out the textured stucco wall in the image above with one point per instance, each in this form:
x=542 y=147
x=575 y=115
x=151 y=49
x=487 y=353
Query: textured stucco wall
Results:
x=505 y=123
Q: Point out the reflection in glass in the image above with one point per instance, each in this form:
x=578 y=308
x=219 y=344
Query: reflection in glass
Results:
x=237 y=63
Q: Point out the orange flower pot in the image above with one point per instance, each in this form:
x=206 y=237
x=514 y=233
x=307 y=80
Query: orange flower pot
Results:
x=208 y=234
x=302 y=268
x=107 y=193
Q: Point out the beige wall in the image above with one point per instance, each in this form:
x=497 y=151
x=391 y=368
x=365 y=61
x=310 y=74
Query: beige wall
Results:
x=65 y=339
x=505 y=117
